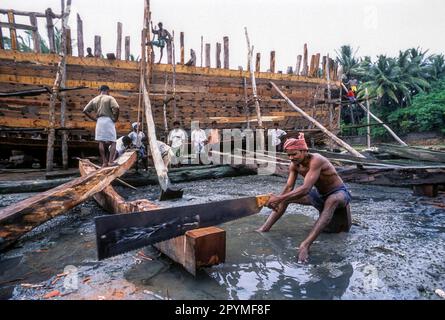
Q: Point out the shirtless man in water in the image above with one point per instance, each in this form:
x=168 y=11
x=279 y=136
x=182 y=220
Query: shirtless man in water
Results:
x=322 y=189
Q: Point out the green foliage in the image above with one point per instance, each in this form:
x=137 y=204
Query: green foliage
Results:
x=426 y=113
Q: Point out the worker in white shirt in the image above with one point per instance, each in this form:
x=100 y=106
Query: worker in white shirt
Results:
x=199 y=140
x=177 y=139
x=275 y=137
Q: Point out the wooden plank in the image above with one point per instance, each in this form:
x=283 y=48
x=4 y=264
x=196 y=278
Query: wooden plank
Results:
x=12 y=31
x=272 y=62
x=119 y=41
x=50 y=29
x=413 y=153
x=218 y=55
x=127 y=48
x=80 y=47
x=169 y=52
x=22 y=217
x=258 y=62
x=304 y=72
x=69 y=47
x=181 y=40
x=97 y=46
x=207 y=55
x=226 y=52
x=28 y=13
x=16 y=26
x=298 y=65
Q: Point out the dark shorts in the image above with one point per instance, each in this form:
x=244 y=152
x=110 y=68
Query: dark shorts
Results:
x=318 y=200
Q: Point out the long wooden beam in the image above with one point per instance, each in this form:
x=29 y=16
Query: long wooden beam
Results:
x=319 y=125
x=28 y=13
x=17 y=26
x=22 y=217
x=51 y=59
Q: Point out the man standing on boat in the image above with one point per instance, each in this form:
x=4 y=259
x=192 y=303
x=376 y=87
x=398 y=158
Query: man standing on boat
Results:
x=106 y=110
x=163 y=37
x=322 y=188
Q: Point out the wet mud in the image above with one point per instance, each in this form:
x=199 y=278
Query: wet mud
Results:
x=394 y=251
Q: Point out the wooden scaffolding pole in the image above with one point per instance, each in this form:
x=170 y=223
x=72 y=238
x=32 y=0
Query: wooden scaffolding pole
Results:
x=368 y=119
x=379 y=121
x=319 y=125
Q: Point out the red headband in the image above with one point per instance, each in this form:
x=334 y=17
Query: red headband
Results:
x=296 y=144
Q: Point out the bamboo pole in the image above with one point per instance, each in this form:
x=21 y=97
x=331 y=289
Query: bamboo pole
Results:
x=331 y=111
x=218 y=55
x=35 y=33
x=305 y=66
x=2 y=46
x=258 y=62
x=169 y=52
x=80 y=48
x=226 y=53
x=202 y=47
x=379 y=121
x=119 y=41
x=319 y=125
x=12 y=30
x=254 y=88
x=175 y=111
x=164 y=106
x=246 y=101
x=50 y=29
x=28 y=13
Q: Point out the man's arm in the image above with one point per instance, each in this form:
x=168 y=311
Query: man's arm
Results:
x=115 y=110
x=309 y=181
x=274 y=201
x=88 y=110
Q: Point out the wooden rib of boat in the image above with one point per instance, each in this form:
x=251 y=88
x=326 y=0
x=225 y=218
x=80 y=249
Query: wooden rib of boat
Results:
x=198 y=248
x=414 y=153
x=22 y=217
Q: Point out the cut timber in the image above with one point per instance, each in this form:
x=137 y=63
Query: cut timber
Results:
x=426 y=190
x=319 y=125
x=413 y=153
x=22 y=217
x=197 y=248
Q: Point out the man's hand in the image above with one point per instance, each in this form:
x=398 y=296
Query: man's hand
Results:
x=273 y=202
x=303 y=254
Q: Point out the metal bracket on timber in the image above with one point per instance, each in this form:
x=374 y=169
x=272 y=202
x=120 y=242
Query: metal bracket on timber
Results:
x=22 y=217
x=319 y=125
x=197 y=248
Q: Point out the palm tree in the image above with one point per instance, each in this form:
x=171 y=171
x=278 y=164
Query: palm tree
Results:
x=436 y=67
x=348 y=61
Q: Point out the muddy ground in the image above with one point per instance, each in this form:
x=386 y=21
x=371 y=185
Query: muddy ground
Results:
x=394 y=251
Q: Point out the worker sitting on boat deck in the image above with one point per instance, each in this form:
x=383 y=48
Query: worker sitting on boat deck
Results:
x=107 y=113
x=177 y=139
x=122 y=145
x=322 y=188
x=163 y=37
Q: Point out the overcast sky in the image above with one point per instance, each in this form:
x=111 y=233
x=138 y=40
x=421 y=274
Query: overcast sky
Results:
x=371 y=26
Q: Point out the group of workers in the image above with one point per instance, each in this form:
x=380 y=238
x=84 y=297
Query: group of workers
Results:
x=322 y=187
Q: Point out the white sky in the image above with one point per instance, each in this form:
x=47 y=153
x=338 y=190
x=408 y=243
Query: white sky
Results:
x=373 y=26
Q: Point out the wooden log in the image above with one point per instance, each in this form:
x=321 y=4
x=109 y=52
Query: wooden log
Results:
x=202 y=50
x=65 y=49
x=169 y=52
x=80 y=47
x=12 y=31
x=50 y=29
x=22 y=217
x=208 y=65
x=197 y=248
x=254 y=88
x=312 y=66
x=218 y=55
x=426 y=190
x=258 y=62
x=413 y=153
x=317 y=65
x=119 y=41
x=97 y=47
x=16 y=26
x=298 y=65
x=35 y=34
x=226 y=52
x=304 y=72
x=272 y=62
x=318 y=124
x=181 y=43
x=323 y=67
x=127 y=48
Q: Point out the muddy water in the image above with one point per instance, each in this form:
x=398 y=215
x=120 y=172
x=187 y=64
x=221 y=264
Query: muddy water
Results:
x=394 y=251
